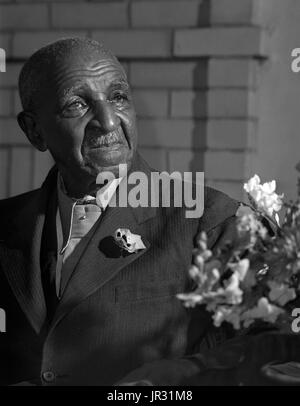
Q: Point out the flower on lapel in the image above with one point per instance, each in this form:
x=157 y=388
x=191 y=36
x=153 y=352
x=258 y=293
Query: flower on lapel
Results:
x=128 y=241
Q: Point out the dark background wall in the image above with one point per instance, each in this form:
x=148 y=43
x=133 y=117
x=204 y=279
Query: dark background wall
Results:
x=208 y=76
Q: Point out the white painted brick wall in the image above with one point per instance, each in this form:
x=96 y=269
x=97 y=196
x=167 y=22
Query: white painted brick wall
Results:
x=159 y=14
x=136 y=43
x=194 y=86
x=23 y=16
x=10 y=132
x=89 y=15
x=151 y=103
x=172 y=75
x=234 y=12
x=232 y=73
x=25 y=43
x=246 y=41
x=172 y=133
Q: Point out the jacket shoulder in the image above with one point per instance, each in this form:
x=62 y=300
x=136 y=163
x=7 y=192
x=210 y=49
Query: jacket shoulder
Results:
x=11 y=207
x=18 y=201
x=218 y=207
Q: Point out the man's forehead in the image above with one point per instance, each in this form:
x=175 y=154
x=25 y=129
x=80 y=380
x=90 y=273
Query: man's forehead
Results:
x=76 y=69
x=95 y=57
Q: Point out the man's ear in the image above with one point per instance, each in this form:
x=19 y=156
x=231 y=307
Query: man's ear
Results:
x=28 y=124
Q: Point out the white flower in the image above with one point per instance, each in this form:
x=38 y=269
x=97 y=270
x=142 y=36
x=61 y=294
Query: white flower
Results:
x=249 y=226
x=281 y=293
x=190 y=299
x=229 y=314
x=232 y=292
x=252 y=185
x=194 y=272
x=264 y=310
x=212 y=277
x=263 y=196
x=128 y=241
x=241 y=268
x=245 y=275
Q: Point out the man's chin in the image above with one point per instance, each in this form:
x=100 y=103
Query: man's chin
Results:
x=111 y=162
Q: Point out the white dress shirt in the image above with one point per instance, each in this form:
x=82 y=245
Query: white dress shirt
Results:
x=74 y=222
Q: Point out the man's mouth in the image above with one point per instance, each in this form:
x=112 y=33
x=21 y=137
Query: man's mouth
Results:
x=106 y=140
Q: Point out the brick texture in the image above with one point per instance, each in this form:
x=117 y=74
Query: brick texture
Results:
x=156 y=157
x=233 y=73
x=194 y=67
x=234 y=12
x=23 y=16
x=136 y=43
x=25 y=43
x=89 y=15
x=172 y=133
x=10 y=133
x=10 y=77
x=188 y=104
x=171 y=75
x=230 y=103
x=6 y=100
x=225 y=165
x=151 y=103
x=5 y=43
x=186 y=160
x=246 y=41
x=231 y=134
x=165 y=13
x=17 y=107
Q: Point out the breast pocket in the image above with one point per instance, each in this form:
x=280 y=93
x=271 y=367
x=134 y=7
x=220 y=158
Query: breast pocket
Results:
x=148 y=291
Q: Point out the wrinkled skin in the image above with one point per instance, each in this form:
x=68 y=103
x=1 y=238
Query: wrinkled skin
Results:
x=85 y=118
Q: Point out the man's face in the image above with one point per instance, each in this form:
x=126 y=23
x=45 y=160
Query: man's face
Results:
x=87 y=117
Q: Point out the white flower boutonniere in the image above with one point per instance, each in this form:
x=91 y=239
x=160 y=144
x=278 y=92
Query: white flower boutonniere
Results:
x=129 y=242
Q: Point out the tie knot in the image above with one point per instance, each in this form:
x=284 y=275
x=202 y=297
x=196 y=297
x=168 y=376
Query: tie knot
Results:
x=86 y=200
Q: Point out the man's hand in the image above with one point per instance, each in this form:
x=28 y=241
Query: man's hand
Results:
x=263 y=351
x=241 y=361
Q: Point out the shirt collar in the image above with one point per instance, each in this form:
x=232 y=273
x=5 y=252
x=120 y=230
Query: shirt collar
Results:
x=66 y=205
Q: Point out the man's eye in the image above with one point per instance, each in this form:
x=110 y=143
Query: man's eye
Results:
x=76 y=105
x=119 y=98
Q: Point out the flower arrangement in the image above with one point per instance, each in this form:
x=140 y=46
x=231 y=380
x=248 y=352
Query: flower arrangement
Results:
x=255 y=277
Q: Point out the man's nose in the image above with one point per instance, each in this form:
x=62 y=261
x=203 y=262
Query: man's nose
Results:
x=105 y=115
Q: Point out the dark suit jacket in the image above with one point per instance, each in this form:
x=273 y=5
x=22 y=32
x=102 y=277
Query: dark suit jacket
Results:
x=117 y=312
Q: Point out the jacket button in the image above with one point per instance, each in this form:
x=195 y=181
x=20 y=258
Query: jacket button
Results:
x=48 y=376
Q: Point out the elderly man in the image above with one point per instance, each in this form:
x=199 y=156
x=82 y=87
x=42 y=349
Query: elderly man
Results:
x=80 y=310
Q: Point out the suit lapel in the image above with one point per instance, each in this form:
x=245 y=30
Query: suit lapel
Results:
x=98 y=264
